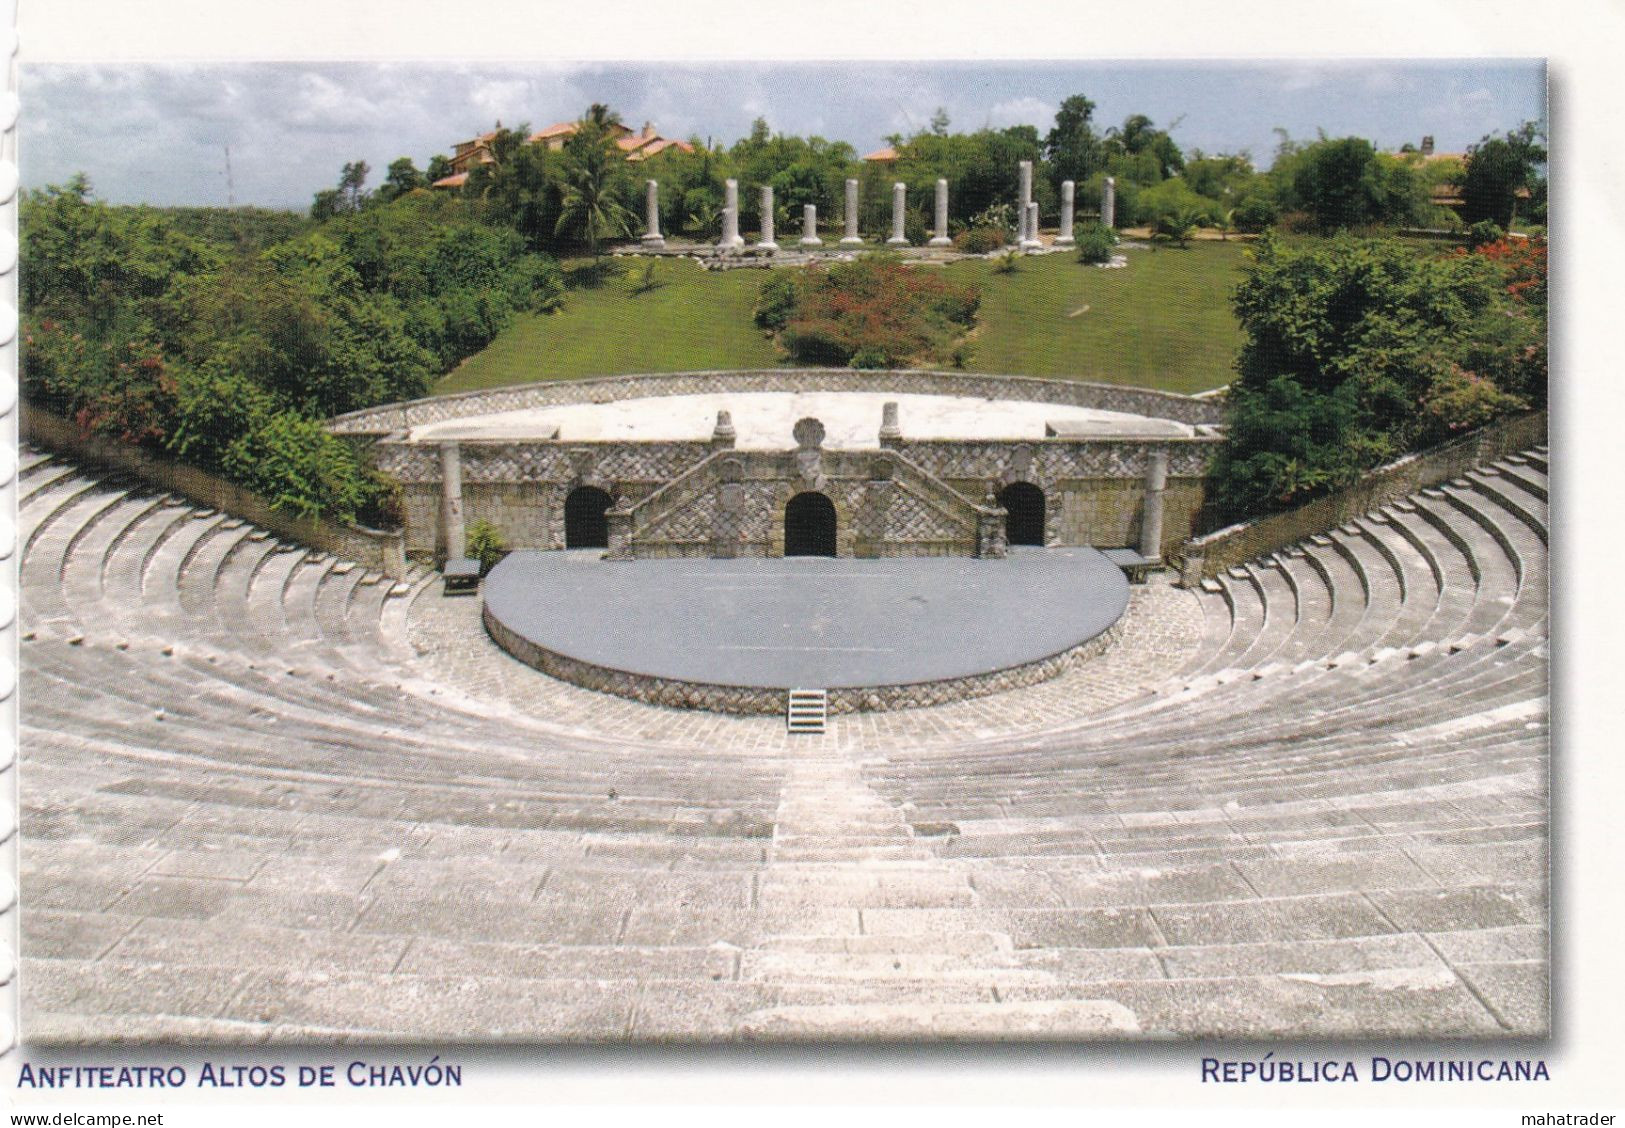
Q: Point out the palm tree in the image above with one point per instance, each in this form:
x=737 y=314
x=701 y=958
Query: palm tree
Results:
x=593 y=176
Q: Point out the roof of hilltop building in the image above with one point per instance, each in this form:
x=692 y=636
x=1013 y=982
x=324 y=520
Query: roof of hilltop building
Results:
x=636 y=146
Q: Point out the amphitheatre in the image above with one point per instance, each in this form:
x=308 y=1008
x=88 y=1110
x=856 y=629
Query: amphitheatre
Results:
x=282 y=791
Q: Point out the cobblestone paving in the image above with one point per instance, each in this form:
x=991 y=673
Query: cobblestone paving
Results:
x=1159 y=634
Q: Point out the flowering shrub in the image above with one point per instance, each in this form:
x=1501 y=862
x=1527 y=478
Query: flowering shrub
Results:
x=872 y=313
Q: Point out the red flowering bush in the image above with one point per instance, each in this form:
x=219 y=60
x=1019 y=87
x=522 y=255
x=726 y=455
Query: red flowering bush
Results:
x=1523 y=263
x=871 y=313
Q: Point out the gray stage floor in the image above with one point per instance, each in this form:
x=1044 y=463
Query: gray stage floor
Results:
x=809 y=621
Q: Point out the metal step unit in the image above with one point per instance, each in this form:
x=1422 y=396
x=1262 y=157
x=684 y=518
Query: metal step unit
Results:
x=807 y=710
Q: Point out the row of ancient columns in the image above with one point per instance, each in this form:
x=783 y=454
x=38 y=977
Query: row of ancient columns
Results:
x=1028 y=217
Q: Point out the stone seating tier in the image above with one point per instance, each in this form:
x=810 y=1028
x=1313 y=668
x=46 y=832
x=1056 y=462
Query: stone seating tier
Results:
x=253 y=794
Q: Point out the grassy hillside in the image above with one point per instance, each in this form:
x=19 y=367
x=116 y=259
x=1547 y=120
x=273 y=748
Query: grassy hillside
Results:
x=1162 y=322
x=692 y=319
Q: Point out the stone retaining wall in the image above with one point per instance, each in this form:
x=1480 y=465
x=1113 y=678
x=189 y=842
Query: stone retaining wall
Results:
x=381 y=551
x=1093 y=487
x=401 y=417
x=1207 y=556
x=744 y=699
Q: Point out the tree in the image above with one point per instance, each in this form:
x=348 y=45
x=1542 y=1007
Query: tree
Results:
x=351 y=185
x=1345 y=183
x=1357 y=351
x=403 y=177
x=1140 y=136
x=349 y=196
x=1497 y=170
x=594 y=179
x=1071 y=147
x=939 y=122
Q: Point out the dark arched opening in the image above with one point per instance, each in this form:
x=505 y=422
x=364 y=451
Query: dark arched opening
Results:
x=585 y=525
x=1023 y=504
x=809 y=526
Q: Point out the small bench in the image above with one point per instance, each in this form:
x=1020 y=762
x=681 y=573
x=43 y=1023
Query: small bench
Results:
x=1135 y=566
x=461 y=575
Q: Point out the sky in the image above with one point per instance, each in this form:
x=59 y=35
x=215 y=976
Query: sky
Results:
x=159 y=133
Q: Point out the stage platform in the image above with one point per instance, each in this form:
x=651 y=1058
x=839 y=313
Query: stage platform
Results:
x=739 y=633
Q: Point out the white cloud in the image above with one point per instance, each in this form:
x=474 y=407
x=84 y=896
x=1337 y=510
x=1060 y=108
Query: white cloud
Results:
x=1022 y=111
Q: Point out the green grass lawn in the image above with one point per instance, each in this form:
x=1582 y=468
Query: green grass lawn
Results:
x=1163 y=322
x=692 y=320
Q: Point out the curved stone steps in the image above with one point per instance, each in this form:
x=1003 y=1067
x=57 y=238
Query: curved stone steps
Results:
x=1382 y=585
x=1494 y=571
x=1489 y=680
x=1241 y=594
x=1274 y=842
x=1280 y=615
x=1529 y=476
x=49 y=546
x=172 y=760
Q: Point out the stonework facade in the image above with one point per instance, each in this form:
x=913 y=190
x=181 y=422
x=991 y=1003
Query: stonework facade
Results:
x=910 y=497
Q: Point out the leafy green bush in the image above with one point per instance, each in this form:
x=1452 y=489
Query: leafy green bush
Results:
x=980 y=240
x=1360 y=350
x=1483 y=233
x=775 y=302
x=485 y=544
x=1254 y=213
x=1095 y=243
x=229 y=355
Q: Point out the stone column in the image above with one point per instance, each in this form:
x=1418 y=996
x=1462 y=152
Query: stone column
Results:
x=1029 y=228
x=851 y=238
x=899 y=199
x=1068 y=190
x=891 y=432
x=731 y=240
x=1156 y=480
x=766 y=242
x=1032 y=242
x=651 y=209
x=940 y=239
x=451 y=500
x=809 y=226
x=1108 y=202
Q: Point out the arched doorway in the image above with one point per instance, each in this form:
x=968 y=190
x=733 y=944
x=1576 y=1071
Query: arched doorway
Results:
x=585 y=525
x=1024 y=513
x=809 y=526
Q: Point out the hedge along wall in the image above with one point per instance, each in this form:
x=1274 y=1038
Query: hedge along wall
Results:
x=1207 y=556
x=381 y=551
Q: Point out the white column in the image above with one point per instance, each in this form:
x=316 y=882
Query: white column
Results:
x=1032 y=242
x=1108 y=202
x=1068 y=191
x=899 y=199
x=730 y=216
x=1029 y=226
x=1156 y=480
x=851 y=238
x=652 y=237
x=731 y=240
x=809 y=226
x=766 y=243
x=940 y=239
x=451 y=500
